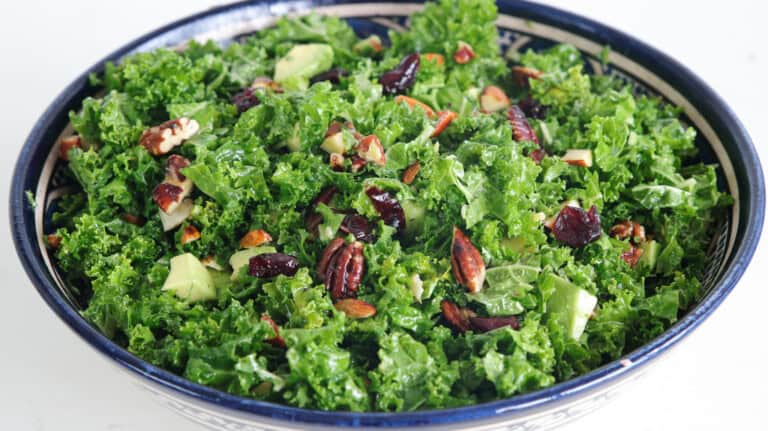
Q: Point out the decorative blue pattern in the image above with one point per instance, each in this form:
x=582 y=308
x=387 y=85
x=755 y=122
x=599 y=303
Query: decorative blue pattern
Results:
x=534 y=411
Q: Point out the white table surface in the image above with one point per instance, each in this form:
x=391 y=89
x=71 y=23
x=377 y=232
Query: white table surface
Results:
x=51 y=380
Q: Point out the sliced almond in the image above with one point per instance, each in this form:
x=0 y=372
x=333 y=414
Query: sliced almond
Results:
x=189 y=234
x=410 y=172
x=493 y=99
x=523 y=74
x=175 y=218
x=210 y=262
x=581 y=158
x=439 y=59
x=264 y=83
x=368 y=46
x=444 y=119
x=411 y=102
x=355 y=308
x=255 y=238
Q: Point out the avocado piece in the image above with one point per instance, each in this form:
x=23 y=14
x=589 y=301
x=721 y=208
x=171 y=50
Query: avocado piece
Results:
x=414 y=217
x=189 y=279
x=242 y=257
x=650 y=254
x=303 y=62
x=571 y=306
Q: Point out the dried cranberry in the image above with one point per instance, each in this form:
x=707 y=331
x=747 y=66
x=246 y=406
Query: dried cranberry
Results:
x=402 y=77
x=532 y=108
x=538 y=155
x=272 y=264
x=325 y=196
x=388 y=207
x=576 y=227
x=358 y=226
x=485 y=324
x=245 y=99
x=333 y=76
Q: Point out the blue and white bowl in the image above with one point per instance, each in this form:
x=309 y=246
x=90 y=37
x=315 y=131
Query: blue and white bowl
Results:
x=722 y=139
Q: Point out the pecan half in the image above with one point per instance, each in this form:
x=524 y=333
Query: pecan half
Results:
x=272 y=264
x=388 y=207
x=69 y=143
x=255 y=238
x=466 y=262
x=521 y=129
x=189 y=234
x=277 y=340
x=522 y=74
x=328 y=254
x=485 y=324
x=341 y=267
x=161 y=139
x=171 y=192
x=409 y=174
x=444 y=119
x=411 y=102
x=456 y=317
x=464 y=53
x=632 y=256
x=628 y=229
x=355 y=308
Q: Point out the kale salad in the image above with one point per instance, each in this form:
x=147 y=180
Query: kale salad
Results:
x=334 y=222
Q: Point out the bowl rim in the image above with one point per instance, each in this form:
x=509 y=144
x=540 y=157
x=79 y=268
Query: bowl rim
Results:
x=38 y=144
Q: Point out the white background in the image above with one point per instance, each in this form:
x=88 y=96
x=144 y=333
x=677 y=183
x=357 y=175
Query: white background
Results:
x=51 y=380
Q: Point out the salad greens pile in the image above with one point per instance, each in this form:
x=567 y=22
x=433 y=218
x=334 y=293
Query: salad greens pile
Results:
x=259 y=165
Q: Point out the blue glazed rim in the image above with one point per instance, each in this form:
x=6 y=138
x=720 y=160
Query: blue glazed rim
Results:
x=736 y=141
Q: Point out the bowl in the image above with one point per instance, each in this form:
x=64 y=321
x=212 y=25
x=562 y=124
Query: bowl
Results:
x=722 y=139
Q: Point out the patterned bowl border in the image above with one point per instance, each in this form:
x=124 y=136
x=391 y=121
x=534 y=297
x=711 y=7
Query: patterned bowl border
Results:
x=521 y=23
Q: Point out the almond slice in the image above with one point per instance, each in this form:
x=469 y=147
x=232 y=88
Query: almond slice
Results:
x=411 y=102
x=255 y=238
x=493 y=99
x=355 y=308
x=189 y=234
x=582 y=158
